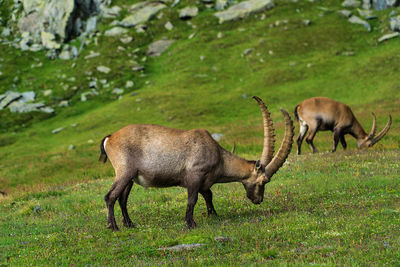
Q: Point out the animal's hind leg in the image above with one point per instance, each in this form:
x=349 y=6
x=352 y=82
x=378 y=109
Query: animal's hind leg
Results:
x=310 y=137
x=207 y=195
x=123 y=199
x=302 y=134
x=121 y=182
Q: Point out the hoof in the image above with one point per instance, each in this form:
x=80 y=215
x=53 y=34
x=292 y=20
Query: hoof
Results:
x=113 y=227
x=129 y=224
x=191 y=225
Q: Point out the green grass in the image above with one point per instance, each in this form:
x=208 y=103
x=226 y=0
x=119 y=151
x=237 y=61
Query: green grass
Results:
x=334 y=209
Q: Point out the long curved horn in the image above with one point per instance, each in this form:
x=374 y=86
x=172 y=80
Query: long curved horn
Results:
x=284 y=150
x=373 y=128
x=269 y=136
x=380 y=135
x=233 y=148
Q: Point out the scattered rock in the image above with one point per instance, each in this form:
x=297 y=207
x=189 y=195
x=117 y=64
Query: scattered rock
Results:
x=394 y=23
x=47 y=92
x=188 y=12
x=388 y=36
x=346 y=13
x=116 y=31
x=118 y=91
x=220 y=35
x=217 y=136
x=103 y=69
x=222 y=239
x=63 y=104
x=351 y=3
x=243 y=9
x=182 y=247
x=141 y=13
x=247 y=51
x=129 y=84
x=92 y=55
x=357 y=20
x=71 y=147
x=168 y=26
x=192 y=35
x=57 y=130
x=158 y=47
x=126 y=40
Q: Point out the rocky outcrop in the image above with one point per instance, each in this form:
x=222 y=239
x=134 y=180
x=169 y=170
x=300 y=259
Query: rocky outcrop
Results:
x=380 y=4
x=244 y=9
x=22 y=102
x=53 y=22
x=141 y=13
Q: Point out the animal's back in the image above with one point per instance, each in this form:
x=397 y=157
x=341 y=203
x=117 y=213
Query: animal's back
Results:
x=161 y=152
x=329 y=111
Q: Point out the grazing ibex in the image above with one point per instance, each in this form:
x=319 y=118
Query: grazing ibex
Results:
x=322 y=114
x=156 y=156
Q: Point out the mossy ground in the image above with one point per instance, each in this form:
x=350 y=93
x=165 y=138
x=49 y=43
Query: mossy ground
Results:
x=335 y=209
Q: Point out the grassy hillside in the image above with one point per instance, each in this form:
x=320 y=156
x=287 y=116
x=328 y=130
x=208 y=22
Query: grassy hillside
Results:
x=340 y=208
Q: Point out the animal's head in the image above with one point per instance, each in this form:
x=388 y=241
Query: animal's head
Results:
x=269 y=164
x=371 y=139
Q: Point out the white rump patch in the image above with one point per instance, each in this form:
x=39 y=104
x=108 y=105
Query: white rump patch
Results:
x=105 y=143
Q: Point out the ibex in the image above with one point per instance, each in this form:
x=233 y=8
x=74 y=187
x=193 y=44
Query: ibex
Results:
x=322 y=114
x=157 y=156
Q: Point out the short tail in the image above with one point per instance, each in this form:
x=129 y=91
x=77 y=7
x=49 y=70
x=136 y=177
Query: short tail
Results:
x=103 y=153
x=295 y=113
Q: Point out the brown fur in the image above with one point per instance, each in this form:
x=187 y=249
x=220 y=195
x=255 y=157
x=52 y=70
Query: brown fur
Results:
x=157 y=156
x=323 y=114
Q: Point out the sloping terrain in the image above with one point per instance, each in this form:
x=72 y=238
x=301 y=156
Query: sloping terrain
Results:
x=340 y=208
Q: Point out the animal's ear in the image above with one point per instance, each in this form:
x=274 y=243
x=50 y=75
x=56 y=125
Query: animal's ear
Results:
x=258 y=165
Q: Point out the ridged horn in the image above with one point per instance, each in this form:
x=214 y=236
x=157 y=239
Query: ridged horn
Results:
x=269 y=136
x=380 y=135
x=373 y=128
x=284 y=150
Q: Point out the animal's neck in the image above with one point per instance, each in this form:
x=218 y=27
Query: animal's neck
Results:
x=358 y=131
x=235 y=169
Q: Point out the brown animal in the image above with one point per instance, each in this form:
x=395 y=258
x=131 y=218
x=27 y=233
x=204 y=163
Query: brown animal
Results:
x=156 y=156
x=322 y=114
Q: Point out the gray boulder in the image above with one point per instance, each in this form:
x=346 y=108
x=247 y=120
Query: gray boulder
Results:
x=116 y=31
x=357 y=20
x=141 y=13
x=182 y=247
x=394 y=23
x=158 y=47
x=351 y=3
x=388 y=36
x=188 y=12
x=244 y=9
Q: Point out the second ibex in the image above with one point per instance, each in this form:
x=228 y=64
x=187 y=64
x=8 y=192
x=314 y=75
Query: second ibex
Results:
x=156 y=156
